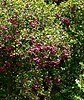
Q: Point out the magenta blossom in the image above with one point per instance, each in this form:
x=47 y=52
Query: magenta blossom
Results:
x=57 y=15
x=66 y=20
x=35 y=87
x=7 y=64
x=37 y=67
x=33 y=41
x=4 y=28
x=0 y=33
x=3 y=3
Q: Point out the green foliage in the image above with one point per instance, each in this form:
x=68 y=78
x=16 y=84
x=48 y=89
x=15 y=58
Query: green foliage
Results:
x=41 y=50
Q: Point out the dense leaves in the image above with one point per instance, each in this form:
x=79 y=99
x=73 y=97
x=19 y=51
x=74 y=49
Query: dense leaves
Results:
x=41 y=50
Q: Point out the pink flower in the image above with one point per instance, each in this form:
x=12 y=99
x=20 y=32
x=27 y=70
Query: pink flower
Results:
x=37 y=67
x=2 y=70
x=54 y=62
x=33 y=25
x=65 y=55
x=8 y=37
x=32 y=49
x=4 y=65
x=25 y=97
x=53 y=49
x=47 y=47
x=45 y=57
x=66 y=20
x=33 y=41
x=30 y=60
x=41 y=95
x=35 y=21
x=12 y=21
x=35 y=87
x=57 y=62
x=0 y=33
x=36 y=59
x=55 y=78
x=39 y=45
x=7 y=64
x=29 y=52
x=45 y=77
x=64 y=47
x=14 y=16
x=5 y=37
x=44 y=65
x=37 y=50
x=57 y=15
x=4 y=3
x=32 y=37
x=49 y=81
x=63 y=20
x=8 y=49
x=4 y=28
x=57 y=84
x=58 y=80
x=30 y=21
x=16 y=25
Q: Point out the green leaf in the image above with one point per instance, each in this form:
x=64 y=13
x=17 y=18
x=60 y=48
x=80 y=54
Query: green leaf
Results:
x=82 y=64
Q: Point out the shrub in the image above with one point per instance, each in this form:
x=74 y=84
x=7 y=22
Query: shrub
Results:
x=55 y=1
x=39 y=49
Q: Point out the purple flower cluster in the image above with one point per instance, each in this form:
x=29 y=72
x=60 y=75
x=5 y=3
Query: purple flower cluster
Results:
x=66 y=21
x=7 y=49
x=39 y=47
x=56 y=63
x=37 y=59
x=57 y=15
x=35 y=50
x=35 y=86
x=45 y=54
x=52 y=48
x=7 y=64
x=47 y=80
x=8 y=37
x=41 y=96
x=0 y=33
x=2 y=70
x=3 y=3
x=33 y=41
x=57 y=81
x=33 y=23
x=65 y=55
x=4 y=28
x=13 y=21
x=37 y=67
